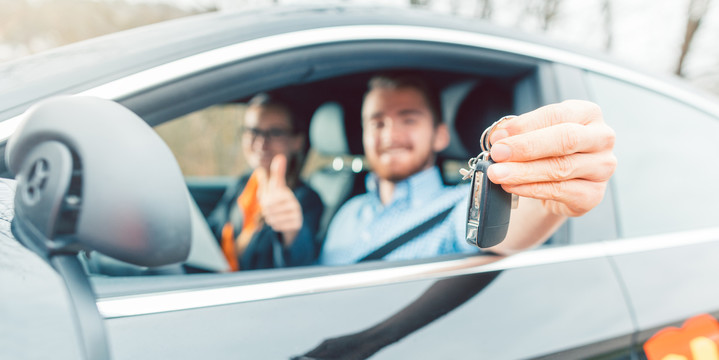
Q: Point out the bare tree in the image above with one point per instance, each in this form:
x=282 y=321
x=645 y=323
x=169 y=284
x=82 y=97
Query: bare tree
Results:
x=545 y=11
x=608 y=22
x=484 y=9
x=419 y=3
x=696 y=11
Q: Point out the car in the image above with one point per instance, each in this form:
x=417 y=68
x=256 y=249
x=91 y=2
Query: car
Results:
x=79 y=148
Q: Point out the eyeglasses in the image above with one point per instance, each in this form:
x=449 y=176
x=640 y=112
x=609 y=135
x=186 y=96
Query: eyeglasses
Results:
x=268 y=135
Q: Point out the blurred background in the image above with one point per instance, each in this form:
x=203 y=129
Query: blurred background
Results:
x=677 y=37
x=670 y=36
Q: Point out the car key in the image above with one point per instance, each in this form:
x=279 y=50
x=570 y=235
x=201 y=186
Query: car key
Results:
x=489 y=206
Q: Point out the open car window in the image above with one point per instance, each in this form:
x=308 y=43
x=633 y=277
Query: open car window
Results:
x=199 y=115
x=207 y=145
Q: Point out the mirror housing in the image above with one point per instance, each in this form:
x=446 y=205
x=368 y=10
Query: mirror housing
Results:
x=92 y=175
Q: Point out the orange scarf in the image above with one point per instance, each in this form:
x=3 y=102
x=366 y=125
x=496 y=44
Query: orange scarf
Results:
x=233 y=246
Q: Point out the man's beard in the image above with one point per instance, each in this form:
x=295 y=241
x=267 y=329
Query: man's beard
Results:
x=396 y=174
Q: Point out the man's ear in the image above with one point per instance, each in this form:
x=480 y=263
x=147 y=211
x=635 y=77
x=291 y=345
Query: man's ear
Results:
x=441 y=138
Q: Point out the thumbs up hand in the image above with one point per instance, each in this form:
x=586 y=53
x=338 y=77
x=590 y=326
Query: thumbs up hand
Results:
x=280 y=208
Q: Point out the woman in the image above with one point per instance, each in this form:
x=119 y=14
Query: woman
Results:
x=269 y=218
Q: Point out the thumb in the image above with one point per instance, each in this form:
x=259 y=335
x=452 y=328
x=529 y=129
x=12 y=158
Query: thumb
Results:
x=278 y=170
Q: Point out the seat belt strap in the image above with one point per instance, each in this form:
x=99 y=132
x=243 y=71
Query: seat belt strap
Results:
x=407 y=236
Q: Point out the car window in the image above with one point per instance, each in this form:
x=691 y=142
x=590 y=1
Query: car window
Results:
x=207 y=142
x=666 y=150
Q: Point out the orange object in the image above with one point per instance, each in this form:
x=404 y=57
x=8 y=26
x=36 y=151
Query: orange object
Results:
x=233 y=246
x=697 y=339
x=228 y=246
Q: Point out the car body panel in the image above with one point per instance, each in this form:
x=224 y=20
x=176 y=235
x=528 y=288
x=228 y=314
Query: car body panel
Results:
x=301 y=322
x=37 y=319
x=688 y=269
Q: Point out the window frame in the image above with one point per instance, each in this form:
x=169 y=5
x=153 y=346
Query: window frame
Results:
x=159 y=103
x=675 y=95
x=161 y=92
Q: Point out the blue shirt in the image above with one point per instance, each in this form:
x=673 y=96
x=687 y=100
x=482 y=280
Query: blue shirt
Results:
x=364 y=224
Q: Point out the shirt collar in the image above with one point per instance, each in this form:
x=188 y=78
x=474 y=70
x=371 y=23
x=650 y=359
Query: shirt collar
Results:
x=413 y=191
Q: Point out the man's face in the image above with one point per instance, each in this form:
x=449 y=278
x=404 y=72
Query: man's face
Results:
x=399 y=135
x=267 y=132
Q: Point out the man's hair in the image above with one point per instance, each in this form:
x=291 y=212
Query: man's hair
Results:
x=405 y=80
x=266 y=100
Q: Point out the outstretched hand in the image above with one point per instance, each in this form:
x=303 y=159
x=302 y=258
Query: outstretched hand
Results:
x=560 y=154
x=280 y=208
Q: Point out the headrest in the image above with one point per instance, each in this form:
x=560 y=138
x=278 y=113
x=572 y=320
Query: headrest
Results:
x=452 y=98
x=487 y=101
x=92 y=175
x=327 y=130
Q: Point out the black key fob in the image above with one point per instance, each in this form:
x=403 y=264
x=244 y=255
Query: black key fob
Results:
x=489 y=207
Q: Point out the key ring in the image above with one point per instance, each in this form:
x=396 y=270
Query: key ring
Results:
x=484 y=143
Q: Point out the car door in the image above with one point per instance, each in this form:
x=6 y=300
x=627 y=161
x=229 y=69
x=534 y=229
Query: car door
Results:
x=666 y=204
x=560 y=300
x=517 y=308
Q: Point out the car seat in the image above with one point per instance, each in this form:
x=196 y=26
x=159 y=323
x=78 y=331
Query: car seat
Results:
x=344 y=176
x=483 y=102
x=451 y=98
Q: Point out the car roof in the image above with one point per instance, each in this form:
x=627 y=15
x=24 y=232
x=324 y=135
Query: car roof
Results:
x=89 y=63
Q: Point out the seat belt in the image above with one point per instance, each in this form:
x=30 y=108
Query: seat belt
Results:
x=407 y=236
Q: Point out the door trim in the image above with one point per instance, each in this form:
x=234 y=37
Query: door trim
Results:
x=159 y=302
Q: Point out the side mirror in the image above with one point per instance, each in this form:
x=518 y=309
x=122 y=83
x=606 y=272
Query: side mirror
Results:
x=92 y=175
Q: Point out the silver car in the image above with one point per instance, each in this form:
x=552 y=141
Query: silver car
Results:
x=83 y=174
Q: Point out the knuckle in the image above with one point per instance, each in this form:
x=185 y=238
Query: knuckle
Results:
x=586 y=110
x=562 y=167
x=592 y=195
x=556 y=189
x=612 y=161
x=581 y=209
x=555 y=114
x=609 y=137
x=569 y=142
x=594 y=112
x=595 y=196
x=585 y=206
x=604 y=168
x=610 y=164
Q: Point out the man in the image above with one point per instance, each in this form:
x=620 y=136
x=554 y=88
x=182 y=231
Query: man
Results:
x=557 y=158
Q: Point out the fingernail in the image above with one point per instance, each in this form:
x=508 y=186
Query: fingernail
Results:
x=497 y=172
x=500 y=152
x=497 y=135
